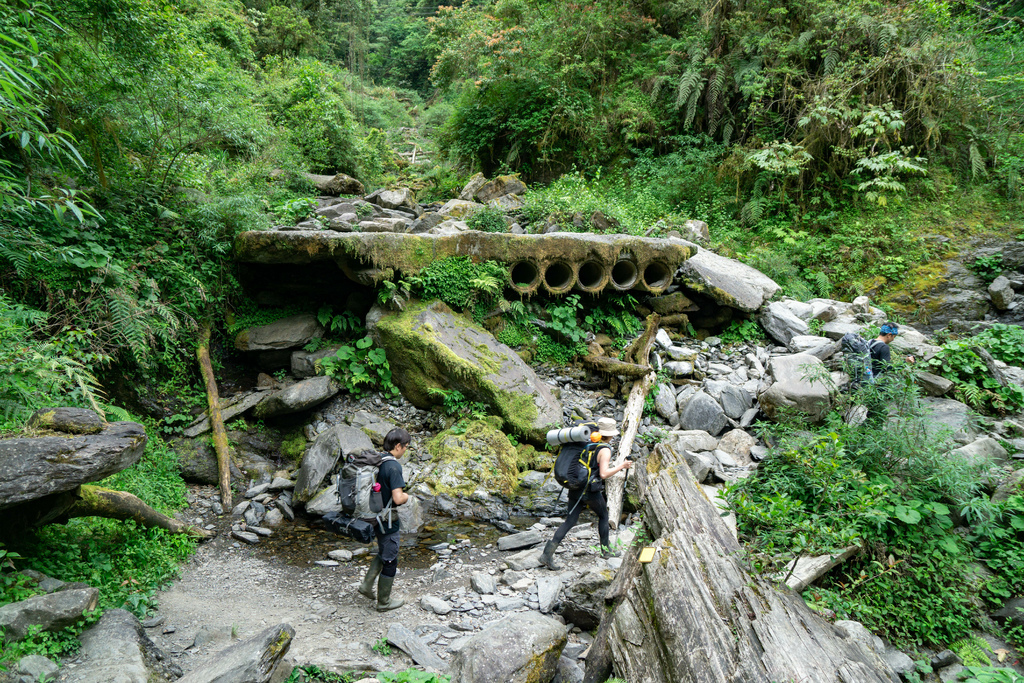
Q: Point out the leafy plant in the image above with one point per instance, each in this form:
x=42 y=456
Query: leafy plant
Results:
x=454 y=403
x=459 y=282
x=358 y=366
x=412 y=676
x=742 y=332
x=382 y=647
x=294 y=210
x=345 y=324
x=990 y=674
x=988 y=268
x=488 y=219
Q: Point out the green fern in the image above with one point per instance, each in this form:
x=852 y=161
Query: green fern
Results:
x=972 y=650
x=977 y=162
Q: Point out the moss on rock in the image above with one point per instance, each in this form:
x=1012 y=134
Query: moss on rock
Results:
x=472 y=455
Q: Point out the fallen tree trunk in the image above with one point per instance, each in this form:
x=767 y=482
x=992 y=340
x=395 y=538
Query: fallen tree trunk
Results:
x=695 y=614
x=220 y=435
x=616 y=484
x=94 y=501
x=634 y=412
x=616 y=367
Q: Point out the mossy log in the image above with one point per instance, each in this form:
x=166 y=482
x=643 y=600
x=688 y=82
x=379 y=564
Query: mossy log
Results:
x=696 y=613
x=93 y=501
x=616 y=367
x=220 y=435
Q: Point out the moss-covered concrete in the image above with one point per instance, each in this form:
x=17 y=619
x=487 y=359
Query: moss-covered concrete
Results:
x=473 y=455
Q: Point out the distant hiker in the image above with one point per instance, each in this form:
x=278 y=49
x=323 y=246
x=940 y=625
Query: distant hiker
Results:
x=385 y=564
x=593 y=492
x=881 y=354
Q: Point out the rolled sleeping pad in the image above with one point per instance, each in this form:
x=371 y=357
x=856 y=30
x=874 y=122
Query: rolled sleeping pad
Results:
x=569 y=435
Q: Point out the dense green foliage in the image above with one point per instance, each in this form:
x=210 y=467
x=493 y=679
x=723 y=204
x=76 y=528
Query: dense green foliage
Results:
x=959 y=361
x=889 y=487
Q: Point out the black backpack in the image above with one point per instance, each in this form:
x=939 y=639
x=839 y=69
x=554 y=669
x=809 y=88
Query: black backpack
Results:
x=857 y=357
x=576 y=464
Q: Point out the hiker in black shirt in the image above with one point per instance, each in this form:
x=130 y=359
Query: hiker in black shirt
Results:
x=385 y=564
x=881 y=354
x=593 y=493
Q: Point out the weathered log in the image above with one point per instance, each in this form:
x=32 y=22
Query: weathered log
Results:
x=695 y=614
x=677 y=320
x=599 y=658
x=94 y=501
x=631 y=419
x=616 y=367
x=638 y=349
x=993 y=369
x=220 y=435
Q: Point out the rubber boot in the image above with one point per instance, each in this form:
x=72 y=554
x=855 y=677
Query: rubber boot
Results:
x=547 y=558
x=366 y=587
x=384 y=599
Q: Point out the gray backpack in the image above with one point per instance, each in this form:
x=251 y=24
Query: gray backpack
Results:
x=356 y=483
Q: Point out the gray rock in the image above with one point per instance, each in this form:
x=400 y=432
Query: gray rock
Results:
x=898 y=661
x=1001 y=292
x=780 y=322
x=67 y=420
x=934 y=385
x=726 y=281
x=211 y=635
x=250 y=661
x=273 y=517
x=568 y=671
x=524 y=539
x=948 y=418
x=410 y=515
x=701 y=463
x=335 y=185
x=340 y=555
x=246 y=536
x=326 y=501
x=583 y=601
x=116 y=648
x=432 y=603
x=32 y=468
x=52 y=612
x=910 y=342
x=474 y=184
x=287 y=333
x=460 y=209
x=735 y=401
x=254 y=514
x=703 y=413
x=547 y=592
x=407 y=641
x=499 y=187
x=527 y=559
x=679 y=368
x=837 y=328
x=793 y=389
x=426 y=222
x=508 y=604
x=297 y=397
x=304 y=362
x=985 y=451
x=323 y=455
x=37 y=667
x=402 y=197
x=483 y=583
x=819 y=347
x=692 y=440
x=696 y=231
x=670 y=304
x=517 y=649
x=665 y=400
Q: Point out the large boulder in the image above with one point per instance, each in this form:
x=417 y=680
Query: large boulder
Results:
x=402 y=198
x=323 y=455
x=297 y=397
x=459 y=209
x=703 y=413
x=798 y=385
x=948 y=419
x=728 y=282
x=31 y=468
x=499 y=187
x=583 y=601
x=474 y=184
x=286 y=333
x=429 y=347
x=982 y=452
x=781 y=324
x=52 y=612
x=197 y=463
x=116 y=648
x=474 y=456
x=334 y=185
x=250 y=661
x=539 y=493
x=522 y=648
x=819 y=347
x=1001 y=292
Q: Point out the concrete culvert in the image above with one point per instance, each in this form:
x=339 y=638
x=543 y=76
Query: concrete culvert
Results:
x=657 y=276
x=559 y=277
x=624 y=274
x=591 y=277
x=525 y=276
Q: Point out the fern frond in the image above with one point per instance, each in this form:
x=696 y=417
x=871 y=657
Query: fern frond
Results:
x=688 y=83
x=977 y=162
x=727 y=131
x=831 y=60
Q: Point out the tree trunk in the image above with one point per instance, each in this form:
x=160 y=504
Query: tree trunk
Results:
x=695 y=614
x=94 y=501
x=615 y=484
x=616 y=367
x=599 y=658
x=220 y=435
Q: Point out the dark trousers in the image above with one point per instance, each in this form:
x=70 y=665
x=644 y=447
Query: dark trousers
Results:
x=596 y=502
x=387 y=548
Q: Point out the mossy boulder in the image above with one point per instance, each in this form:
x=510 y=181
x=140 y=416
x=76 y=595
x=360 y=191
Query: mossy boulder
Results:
x=429 y=347
x=473 y=455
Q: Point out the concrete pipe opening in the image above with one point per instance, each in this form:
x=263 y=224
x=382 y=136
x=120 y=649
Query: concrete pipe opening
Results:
x=559 y=277
x=625 y=274
x=591 y=277
x=657 y=276
x=525 y=276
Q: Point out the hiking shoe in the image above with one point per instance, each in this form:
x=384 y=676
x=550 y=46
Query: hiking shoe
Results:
x=547 y=558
